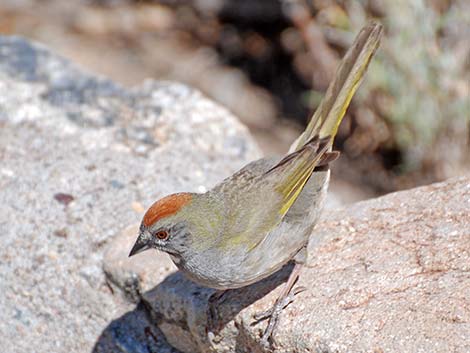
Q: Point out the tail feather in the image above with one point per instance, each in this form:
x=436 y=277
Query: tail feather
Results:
x=329 y=114
x=313 y=148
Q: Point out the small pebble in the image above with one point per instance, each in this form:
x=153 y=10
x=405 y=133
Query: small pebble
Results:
x=63 y=198
x=61 y=233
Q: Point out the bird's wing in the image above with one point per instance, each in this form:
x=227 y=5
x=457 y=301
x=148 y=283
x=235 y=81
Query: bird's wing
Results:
x=257 y=197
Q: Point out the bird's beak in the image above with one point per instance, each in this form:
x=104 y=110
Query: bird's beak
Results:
x=139 y=246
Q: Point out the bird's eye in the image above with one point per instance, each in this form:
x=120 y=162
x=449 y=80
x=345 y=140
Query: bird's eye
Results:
x=162 y=234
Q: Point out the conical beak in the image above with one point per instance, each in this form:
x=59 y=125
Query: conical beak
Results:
x=139 y=246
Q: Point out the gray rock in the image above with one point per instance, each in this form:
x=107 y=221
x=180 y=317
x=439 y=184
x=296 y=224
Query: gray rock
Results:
x=80 y=158
x=385 y=275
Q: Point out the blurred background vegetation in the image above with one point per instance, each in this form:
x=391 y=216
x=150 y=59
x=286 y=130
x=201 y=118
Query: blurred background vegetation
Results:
x=269 y=61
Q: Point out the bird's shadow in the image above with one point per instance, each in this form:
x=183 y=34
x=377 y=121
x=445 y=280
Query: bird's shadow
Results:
x=164 y=303
x=235 y=300
x=133 y=332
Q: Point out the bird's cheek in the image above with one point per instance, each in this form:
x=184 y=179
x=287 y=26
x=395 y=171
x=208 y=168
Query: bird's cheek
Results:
x=158 y=244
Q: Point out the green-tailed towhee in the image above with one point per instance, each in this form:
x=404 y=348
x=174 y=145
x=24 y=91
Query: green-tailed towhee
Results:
x=255 y=221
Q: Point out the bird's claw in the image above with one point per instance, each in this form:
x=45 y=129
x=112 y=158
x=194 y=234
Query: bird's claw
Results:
x=284 y=303
x=273 y=314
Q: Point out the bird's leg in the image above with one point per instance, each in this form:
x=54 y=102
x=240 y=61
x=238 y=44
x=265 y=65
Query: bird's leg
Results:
x=212 y=314
x=285 y=298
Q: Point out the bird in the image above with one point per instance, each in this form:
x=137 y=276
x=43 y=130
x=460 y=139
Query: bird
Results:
x=254 y=222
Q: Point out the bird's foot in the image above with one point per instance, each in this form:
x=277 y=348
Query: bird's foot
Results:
x=273 y=314
x=212 y=313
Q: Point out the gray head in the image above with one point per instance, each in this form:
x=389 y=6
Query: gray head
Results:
x=163 y=226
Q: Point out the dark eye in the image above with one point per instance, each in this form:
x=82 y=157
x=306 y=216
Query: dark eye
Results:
x=162 y=234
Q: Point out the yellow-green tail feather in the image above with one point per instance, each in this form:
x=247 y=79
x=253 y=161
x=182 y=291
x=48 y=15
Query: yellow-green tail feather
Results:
x=331 y=111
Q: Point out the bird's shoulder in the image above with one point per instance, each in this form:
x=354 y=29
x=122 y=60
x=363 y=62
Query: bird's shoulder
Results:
x=250 y=205
x=247 y=177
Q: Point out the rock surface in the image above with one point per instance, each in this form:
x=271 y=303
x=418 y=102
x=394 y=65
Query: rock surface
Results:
x=80 y=157
x=385 y=275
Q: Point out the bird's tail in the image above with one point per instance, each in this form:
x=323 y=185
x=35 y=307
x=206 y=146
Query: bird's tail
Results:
x=329 y=114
